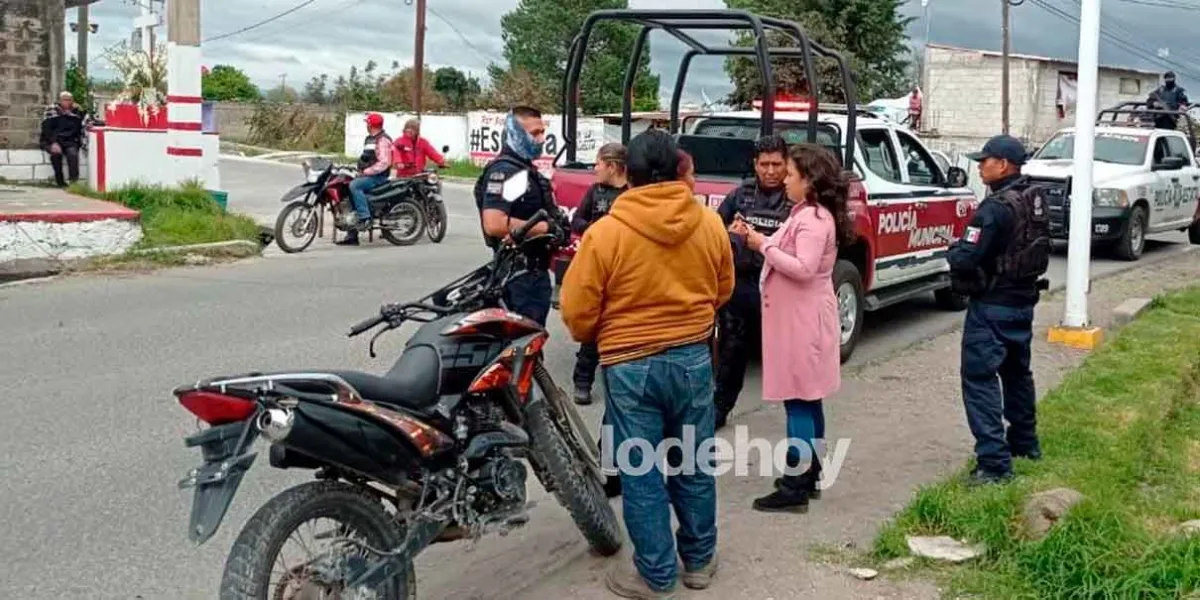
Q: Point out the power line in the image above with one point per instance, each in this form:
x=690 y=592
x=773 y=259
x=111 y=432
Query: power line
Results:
x=462 y=37
x=1138 y=51
x=1176 y=4
x=260 y=23
x=287 y=28
x=1129 y=31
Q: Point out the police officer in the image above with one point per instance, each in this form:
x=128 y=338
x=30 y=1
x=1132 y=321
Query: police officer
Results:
x=999 y=263
x=1169 y=96
x=508 y=193
x=761 y=202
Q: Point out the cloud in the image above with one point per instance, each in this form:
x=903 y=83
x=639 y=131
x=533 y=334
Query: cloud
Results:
x=330 y=36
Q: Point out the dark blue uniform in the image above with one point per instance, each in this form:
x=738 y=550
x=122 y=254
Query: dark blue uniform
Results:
x=997 y=382
x=740 y=321
x=514 y=186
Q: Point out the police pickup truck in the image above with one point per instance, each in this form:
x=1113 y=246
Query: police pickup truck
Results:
x=1146 y=182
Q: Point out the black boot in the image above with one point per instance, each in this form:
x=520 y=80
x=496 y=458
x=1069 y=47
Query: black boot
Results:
x=807 y=480
x=790 y=497
x=351 y=239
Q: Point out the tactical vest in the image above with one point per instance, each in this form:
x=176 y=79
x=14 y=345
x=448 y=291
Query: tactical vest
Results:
x=369 y=156
x=766 y=212
x=1172 y=98
x=1026 y=257
x=543 y=189
x=603 y=197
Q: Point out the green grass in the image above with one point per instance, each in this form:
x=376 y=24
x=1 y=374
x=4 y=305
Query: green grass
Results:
x=462 y=168
x=1124 y=429
x=178 y=216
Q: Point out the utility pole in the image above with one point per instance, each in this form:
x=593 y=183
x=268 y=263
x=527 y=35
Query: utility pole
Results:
x=1007 y=45
x=419 y=59
x=82 y=33
x=1076 y=330
x=185 y=141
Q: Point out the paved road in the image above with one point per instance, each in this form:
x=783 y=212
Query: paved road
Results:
x=90 y=449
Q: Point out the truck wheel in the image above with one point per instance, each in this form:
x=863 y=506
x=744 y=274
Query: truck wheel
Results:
x=1133 y=239
x=948 y=300
x=848 y=285
x=1194 y=233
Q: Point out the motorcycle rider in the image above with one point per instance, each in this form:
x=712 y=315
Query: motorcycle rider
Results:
x=760 y=201
x=373 y=167
x=508 y=193
x=411 y=150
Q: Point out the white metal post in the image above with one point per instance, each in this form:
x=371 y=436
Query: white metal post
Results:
x=1080 y=244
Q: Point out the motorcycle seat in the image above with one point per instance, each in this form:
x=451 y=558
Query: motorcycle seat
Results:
x=389 y=188
x=412 y=383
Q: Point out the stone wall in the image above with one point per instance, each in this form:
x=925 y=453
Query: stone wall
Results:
x=963 y=94
x=31 y=75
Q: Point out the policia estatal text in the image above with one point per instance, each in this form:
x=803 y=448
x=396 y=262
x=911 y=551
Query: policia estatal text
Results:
x=999 y=263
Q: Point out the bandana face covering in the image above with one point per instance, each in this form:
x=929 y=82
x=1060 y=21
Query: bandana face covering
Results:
x=519 y=140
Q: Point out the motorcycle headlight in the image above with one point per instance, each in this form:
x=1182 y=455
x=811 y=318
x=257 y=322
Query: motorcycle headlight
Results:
x=1110 y=197
x=433 y=178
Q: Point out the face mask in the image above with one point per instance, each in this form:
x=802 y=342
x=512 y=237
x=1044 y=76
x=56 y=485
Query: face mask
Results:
x=1170 y=84
x=519 y=140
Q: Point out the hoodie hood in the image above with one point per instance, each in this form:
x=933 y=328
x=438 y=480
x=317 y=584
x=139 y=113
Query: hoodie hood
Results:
x=665 y=213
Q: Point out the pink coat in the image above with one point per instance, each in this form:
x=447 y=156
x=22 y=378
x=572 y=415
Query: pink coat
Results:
x=801 y=330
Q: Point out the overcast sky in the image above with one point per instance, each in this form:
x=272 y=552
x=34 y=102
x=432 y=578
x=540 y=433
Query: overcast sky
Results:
x=329 y=36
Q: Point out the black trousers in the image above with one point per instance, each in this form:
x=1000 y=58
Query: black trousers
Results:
x=70 y=152
x=739 y=339
x=587 y=360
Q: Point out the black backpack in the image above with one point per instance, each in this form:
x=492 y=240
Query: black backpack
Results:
x=1027 y=255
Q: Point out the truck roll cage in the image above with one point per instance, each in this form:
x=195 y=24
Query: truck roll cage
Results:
x=1108 y=116
x=677 y=23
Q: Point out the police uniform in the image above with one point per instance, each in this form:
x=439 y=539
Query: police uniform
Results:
x=740 y=321
x=1172 y=97
x=513 y=185
x=998 y=263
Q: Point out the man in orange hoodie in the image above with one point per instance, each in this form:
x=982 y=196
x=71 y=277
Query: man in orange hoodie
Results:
x=645 y=286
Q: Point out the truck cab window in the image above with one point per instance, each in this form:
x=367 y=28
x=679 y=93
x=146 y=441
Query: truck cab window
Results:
x=879 y=153
x=1176 y=146
x=922 y=169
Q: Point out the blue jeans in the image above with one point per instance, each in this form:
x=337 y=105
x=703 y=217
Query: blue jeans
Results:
x=805 y=424
x=529 y=296
x=997 y=383
x=358 y=193
x=665 y=396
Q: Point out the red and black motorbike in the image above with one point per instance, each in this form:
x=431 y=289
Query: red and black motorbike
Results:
x=429 y=452
x=401 y=209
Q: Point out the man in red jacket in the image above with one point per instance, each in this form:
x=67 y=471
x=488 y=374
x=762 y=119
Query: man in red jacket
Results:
x=411 y=150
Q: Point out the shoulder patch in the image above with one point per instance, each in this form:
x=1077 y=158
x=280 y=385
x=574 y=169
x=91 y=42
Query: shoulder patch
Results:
x=494 y=187
x=972 y=235
x=497 y=175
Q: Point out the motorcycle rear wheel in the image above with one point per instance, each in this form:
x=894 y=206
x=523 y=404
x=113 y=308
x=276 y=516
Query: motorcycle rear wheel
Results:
x=249 y=567
x=575 y=486
x=406 y=236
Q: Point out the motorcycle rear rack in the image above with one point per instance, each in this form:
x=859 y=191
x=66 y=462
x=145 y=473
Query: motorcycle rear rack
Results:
x=258 y=384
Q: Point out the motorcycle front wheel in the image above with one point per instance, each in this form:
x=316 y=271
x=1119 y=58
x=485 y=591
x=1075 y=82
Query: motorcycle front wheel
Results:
x=253 y=572
x=402 y=224
x=300 y=233
x=437 y=222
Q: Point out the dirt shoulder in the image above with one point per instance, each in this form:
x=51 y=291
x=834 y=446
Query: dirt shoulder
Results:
x=904 y=419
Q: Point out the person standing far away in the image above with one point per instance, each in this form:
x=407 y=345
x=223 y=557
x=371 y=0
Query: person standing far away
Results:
x=645 y=285
x=762 y=202
x=914 y=109
x=62 y=136
x=1170 y=96
x=999 y=263
x=373 y=167
x=508 y=193
x=411 y=151
x=801 y=331
x=610 y=182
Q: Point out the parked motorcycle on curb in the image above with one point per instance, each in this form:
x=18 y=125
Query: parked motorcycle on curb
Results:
x=430 y=452
x=401 y=209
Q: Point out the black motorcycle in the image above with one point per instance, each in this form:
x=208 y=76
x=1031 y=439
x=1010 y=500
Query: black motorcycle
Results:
x=430 y=452
x=401 y=209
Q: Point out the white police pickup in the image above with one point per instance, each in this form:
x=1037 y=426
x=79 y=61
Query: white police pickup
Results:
x=1146 y=182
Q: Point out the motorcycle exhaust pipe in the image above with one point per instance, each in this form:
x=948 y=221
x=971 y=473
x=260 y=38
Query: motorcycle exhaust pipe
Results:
x=276 y=423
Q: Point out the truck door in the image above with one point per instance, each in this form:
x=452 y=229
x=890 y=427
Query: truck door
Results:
x=1185 y=182
x=894 y=213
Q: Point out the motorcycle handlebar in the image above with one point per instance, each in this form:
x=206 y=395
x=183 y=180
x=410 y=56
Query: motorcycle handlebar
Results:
x=538 y=217
x=367 y=324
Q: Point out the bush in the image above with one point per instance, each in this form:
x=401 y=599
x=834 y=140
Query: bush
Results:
x=295 y=127
x=178 y=216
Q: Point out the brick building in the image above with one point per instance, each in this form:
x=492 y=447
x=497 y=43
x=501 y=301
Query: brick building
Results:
x=962 y=91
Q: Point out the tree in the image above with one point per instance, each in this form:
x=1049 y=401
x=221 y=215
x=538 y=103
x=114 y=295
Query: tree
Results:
x=225 y=83
x=459 y=90
x=80 y=87
x=537 y=37
x=871 y=34
x=282 y=95
x=514 y=86
x=395 y=93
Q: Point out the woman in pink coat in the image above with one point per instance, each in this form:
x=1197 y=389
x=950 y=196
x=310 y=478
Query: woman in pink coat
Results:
x=801 y=331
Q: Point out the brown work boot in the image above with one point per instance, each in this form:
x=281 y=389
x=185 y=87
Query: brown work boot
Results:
x=624 y=581
x=701 y=578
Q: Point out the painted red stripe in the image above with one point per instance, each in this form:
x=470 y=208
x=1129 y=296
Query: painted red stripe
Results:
x=185 y=99
x=174 y=151
x=101 y=157
x=184 y=126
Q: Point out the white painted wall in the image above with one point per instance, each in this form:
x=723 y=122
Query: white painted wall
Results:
x=440 y=130
x=29 y=166
x=132 y=155
x=66 y=241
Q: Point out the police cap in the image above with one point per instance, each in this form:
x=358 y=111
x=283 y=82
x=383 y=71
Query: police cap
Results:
x=1005 y=147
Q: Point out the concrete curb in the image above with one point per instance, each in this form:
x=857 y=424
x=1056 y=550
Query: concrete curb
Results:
x=1129 y=310
x=256 y=248
x=458 y=182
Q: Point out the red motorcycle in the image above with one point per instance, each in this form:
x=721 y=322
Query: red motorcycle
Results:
x=401 y=209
